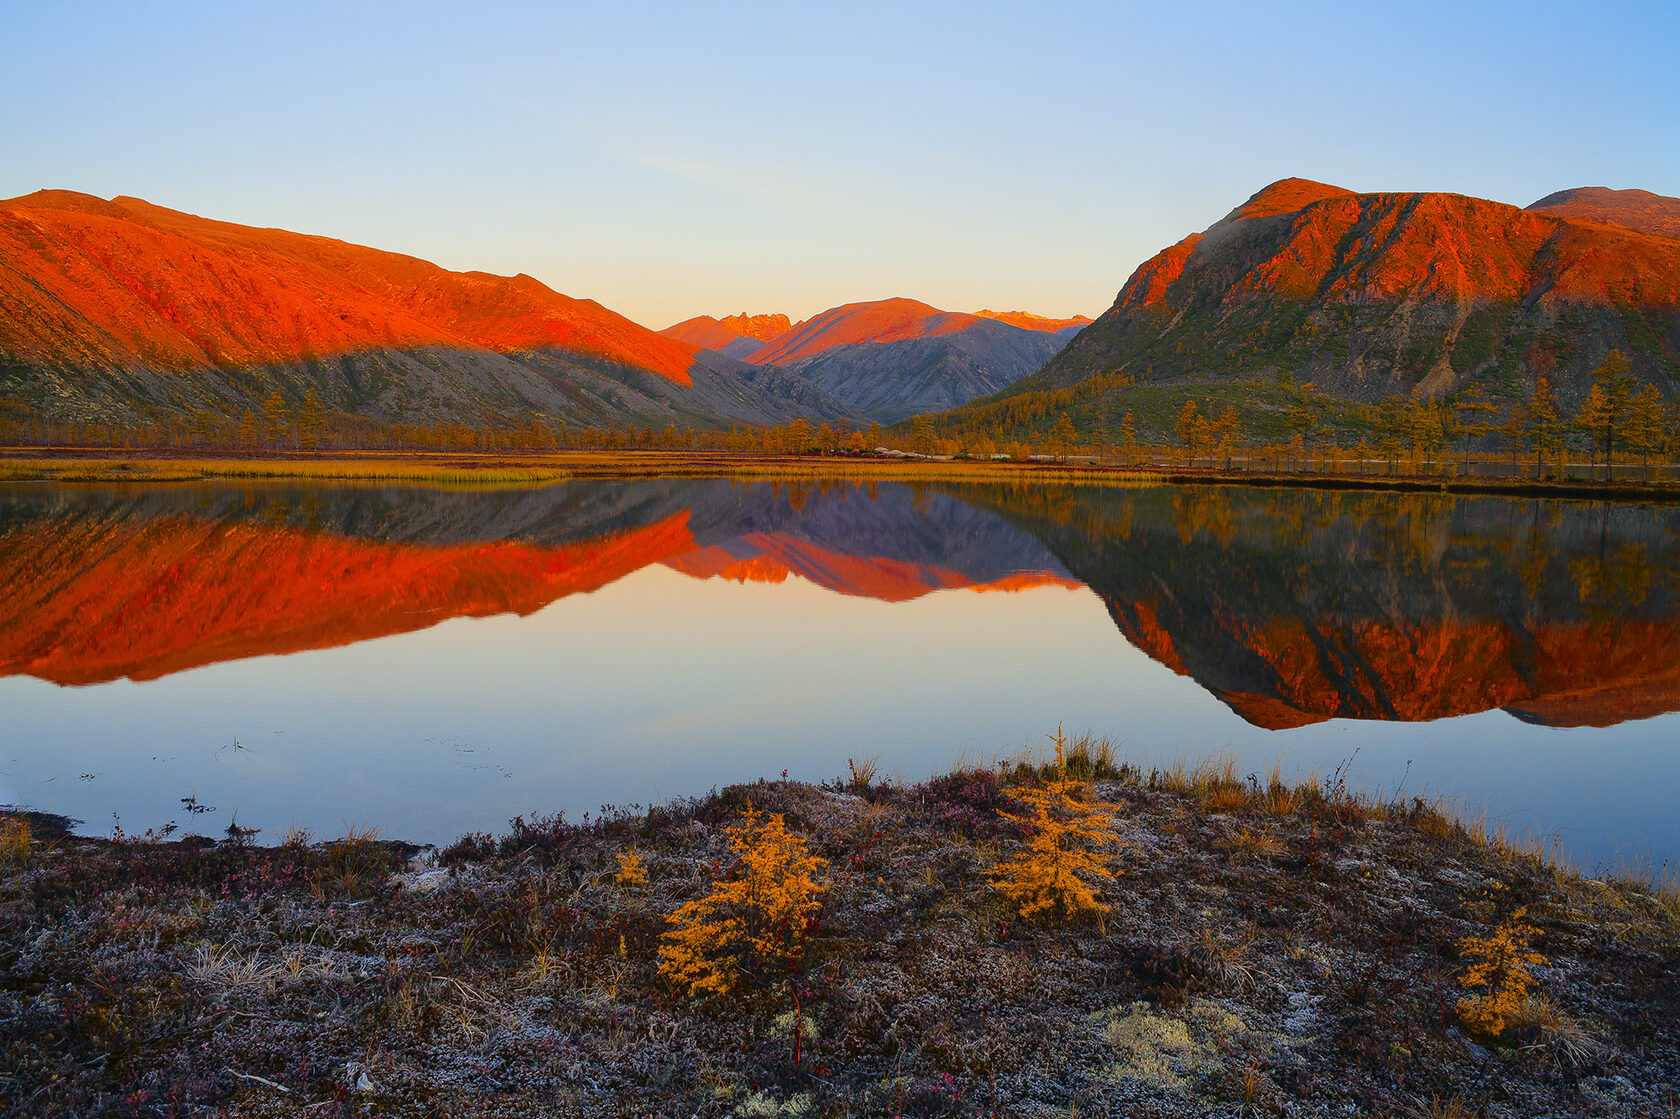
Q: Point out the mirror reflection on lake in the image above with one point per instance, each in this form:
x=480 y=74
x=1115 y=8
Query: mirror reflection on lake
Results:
x=436 y=662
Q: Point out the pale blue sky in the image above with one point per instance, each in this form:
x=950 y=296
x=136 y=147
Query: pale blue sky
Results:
x=686 y=159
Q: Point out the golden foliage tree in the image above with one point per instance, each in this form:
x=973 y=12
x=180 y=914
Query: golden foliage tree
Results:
x=1054 y=872
x=1499 y=968
x=752 y=927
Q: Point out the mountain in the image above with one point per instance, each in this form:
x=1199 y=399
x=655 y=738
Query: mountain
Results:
x=1631 y=209
x=1026 y=320
x=738 y=336
x=122 y=310
x=894 y=358
x=1371 y=295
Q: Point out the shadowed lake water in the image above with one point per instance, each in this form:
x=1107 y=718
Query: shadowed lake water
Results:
x=435 y=662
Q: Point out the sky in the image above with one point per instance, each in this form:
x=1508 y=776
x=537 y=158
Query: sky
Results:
x=686 y=159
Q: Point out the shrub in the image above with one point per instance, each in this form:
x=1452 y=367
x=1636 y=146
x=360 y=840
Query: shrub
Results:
x=1499 y=966
x=1052 y=872
x=971 y=802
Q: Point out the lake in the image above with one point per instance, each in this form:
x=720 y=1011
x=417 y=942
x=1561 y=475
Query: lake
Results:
x=435 y=662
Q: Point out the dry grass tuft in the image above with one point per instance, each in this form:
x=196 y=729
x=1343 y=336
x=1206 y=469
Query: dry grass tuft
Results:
x=1551 y=1034
x=14 y=840
x=863 y=772
x=1250 y=844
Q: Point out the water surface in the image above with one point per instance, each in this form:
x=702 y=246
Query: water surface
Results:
x=435 y=662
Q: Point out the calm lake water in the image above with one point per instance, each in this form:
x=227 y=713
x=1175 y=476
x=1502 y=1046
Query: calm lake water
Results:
x=436 y=662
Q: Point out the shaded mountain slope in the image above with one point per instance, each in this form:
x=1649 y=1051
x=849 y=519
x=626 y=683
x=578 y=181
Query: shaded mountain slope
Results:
x=894 y=358
x=113 y=309
x=1370 y=295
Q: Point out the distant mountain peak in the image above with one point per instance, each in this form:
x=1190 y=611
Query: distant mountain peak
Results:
x=1026 y=320
x=738 y=336
x=1639 y=210
x=879 y=320
x=761 y=327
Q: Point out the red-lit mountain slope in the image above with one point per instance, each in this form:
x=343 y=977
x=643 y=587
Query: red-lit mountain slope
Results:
x=1369 y=295
x=119 y=309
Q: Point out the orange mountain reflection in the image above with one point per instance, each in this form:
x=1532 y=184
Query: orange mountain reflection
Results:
x=1293 y=607
x=143 y=589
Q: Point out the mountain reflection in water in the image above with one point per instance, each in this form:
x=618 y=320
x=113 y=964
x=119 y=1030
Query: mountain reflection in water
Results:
x=1290 y=606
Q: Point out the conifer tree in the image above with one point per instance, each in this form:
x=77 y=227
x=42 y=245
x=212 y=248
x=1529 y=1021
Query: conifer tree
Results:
x=750 y=930
x=276 y=418
x=1062 y=437
x=1647 y=426
x=1499 y=972
x=311 y=418
x=1187 y=429
x=1605 y=409
x=1052 y=873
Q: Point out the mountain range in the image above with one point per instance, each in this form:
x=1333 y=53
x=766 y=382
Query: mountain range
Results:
x=120 y=311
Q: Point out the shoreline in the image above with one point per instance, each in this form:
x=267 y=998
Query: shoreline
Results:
x=1267 y=948
x=106 y=465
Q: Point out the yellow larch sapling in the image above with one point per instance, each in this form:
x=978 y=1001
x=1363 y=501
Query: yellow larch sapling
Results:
x=1061 y=865
x=1499 y=966
x=752 y=927
x=631 y=871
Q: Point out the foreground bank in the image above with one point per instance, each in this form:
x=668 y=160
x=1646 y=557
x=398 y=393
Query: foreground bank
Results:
x=1260 y=949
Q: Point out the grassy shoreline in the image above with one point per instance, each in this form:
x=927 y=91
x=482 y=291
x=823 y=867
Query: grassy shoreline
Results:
x=1269 y=948
x=103 y=465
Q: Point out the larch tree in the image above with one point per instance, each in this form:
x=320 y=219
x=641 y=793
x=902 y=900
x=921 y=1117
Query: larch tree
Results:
x=1062 y=437
x=750 y=931
x=1605 y=409
x=1647 y=426
x=276 y=418
x=1062 y=865
x=1187 y=429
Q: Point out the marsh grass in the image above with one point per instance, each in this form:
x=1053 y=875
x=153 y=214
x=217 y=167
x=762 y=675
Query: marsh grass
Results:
x=451 y=472
x=485 y=470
